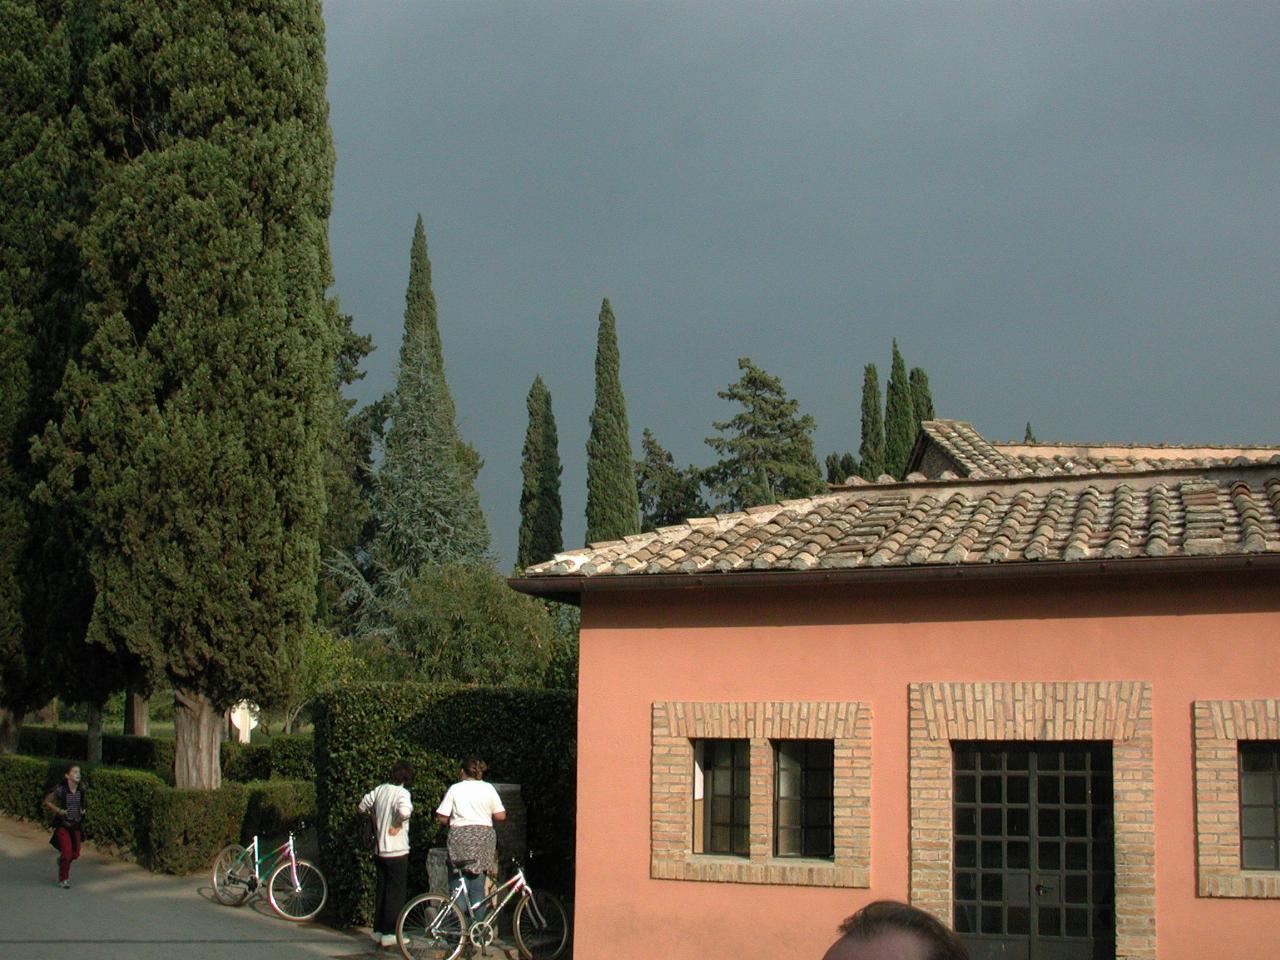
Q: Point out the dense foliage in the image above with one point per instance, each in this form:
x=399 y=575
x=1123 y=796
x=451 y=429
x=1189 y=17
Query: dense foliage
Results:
x=766 y=453
x=197 y=414
x=921 y=398
x=526 y=736
x=899 y=418
x=540 y=509
x=871 y=450
x=668 y=494
x=613 y=505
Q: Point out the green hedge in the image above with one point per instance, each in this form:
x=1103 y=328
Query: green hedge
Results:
x=173 y=831
x=527 y=737
x=288 y=757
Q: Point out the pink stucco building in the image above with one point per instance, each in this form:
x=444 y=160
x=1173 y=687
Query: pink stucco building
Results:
x=1032 y=689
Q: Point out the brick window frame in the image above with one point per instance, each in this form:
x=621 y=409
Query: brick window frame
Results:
x=676 y=724
x=1219 y=727
x=1119 y=711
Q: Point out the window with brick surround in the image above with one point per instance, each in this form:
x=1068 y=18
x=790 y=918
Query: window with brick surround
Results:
x=834 y=782
x=1237 y=796
x=721 y=797
x=802 y=798
x=1260 y=805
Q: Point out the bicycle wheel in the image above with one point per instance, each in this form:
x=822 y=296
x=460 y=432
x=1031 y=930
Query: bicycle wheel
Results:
x=541 y=927
x=430 y=928
x=300 y=900
x=231 y=874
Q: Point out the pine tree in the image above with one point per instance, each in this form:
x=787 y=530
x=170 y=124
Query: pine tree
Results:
x=427 y=507
x=1028 y=436
x=613 y=506
x=899 y=418
x=197 y=416
x=767 y=454
x=540 y=508
x=668 y=494
x=921 y=398
x=871 y=451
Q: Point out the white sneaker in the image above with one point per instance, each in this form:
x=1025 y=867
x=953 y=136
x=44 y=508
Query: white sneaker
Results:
x=65 y=884
x=388 y=940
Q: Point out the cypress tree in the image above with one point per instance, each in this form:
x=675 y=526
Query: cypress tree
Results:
x=871 y=450
x=428 y=510
x=34 y=159
x=767 y=454
x=613 y=506
x=899 y=418
x=668 y=494
x=921 y=398
x=1028 y=436
x=540 y=509
x=197 y=416
x=840 y=466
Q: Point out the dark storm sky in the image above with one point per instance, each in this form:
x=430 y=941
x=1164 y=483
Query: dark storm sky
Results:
x=1066 y=213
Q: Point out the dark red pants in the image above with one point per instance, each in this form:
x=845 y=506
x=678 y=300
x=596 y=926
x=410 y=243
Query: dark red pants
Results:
x=68 y=850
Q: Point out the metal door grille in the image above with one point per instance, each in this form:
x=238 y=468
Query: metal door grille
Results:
x=1034 y=854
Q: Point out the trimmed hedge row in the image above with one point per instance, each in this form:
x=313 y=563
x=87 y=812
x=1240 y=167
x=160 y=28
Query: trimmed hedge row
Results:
x=527 y=737
x=135 y=812
x=285 y=757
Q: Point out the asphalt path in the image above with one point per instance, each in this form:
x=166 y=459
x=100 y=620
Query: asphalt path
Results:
x=119 y=911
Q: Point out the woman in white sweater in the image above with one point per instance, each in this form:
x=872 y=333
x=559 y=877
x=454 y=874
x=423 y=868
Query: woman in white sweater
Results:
x=390 y=807
x=469 y=809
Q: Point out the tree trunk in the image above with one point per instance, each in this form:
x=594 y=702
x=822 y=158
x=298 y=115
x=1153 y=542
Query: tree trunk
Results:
x=94 y=751
x=10 y=724
x=197 y=746
x=137 y=715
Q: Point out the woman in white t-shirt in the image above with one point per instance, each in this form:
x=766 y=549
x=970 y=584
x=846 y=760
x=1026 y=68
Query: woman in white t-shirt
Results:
x=469 y=809
x=390 y=806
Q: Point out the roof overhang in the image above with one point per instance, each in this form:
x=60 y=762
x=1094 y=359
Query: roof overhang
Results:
x=569 y=588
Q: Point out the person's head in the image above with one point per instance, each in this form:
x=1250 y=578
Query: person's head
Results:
x=402 y=774
x=473 y=769
x=889 y=930
x=72 y=774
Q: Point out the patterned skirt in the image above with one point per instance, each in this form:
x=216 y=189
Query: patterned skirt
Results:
x=475 y=843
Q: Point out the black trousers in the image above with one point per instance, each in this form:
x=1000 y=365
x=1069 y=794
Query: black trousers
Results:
x=393 y=881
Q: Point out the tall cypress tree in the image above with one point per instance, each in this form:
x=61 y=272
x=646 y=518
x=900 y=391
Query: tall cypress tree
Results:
x=871 y=450
x=197 y=416
x=1028 y=436
x=613 y=505
x=921 y=398
x=899 y=418
x=427 y=507
x=540 y=509
x=767 y=454
x=34 y=161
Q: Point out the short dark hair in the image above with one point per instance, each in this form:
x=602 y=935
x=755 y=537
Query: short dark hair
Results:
x=402 y=773
x=474 y=768
x=886 y=916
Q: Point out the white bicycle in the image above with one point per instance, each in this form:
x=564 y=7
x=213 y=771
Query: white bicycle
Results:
x=432 y=927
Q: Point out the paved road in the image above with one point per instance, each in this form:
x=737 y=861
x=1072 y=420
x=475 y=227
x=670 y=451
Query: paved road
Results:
x=118 y=911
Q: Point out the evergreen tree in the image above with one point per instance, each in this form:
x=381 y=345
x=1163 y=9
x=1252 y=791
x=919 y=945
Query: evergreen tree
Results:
x=348 y=462
x=613 y=506
x=1028 y=436
x=427 y=507
x=194 y=432
x=841 y=466
x=668 y=494
x=34 y=156
x=767 y=454
x=871 y=451
x=921 y=398
x=540 y=509
x=899 y=418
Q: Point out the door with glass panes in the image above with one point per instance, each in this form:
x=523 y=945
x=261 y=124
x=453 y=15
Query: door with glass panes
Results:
x=1034 y=861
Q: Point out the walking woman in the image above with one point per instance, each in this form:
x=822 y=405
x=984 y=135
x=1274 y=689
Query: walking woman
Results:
x=390 y=807
x=469 y=809
x=66 y=803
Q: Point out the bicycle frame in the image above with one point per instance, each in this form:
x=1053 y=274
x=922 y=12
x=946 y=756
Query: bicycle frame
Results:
x=516 y=884
x=271 y=859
